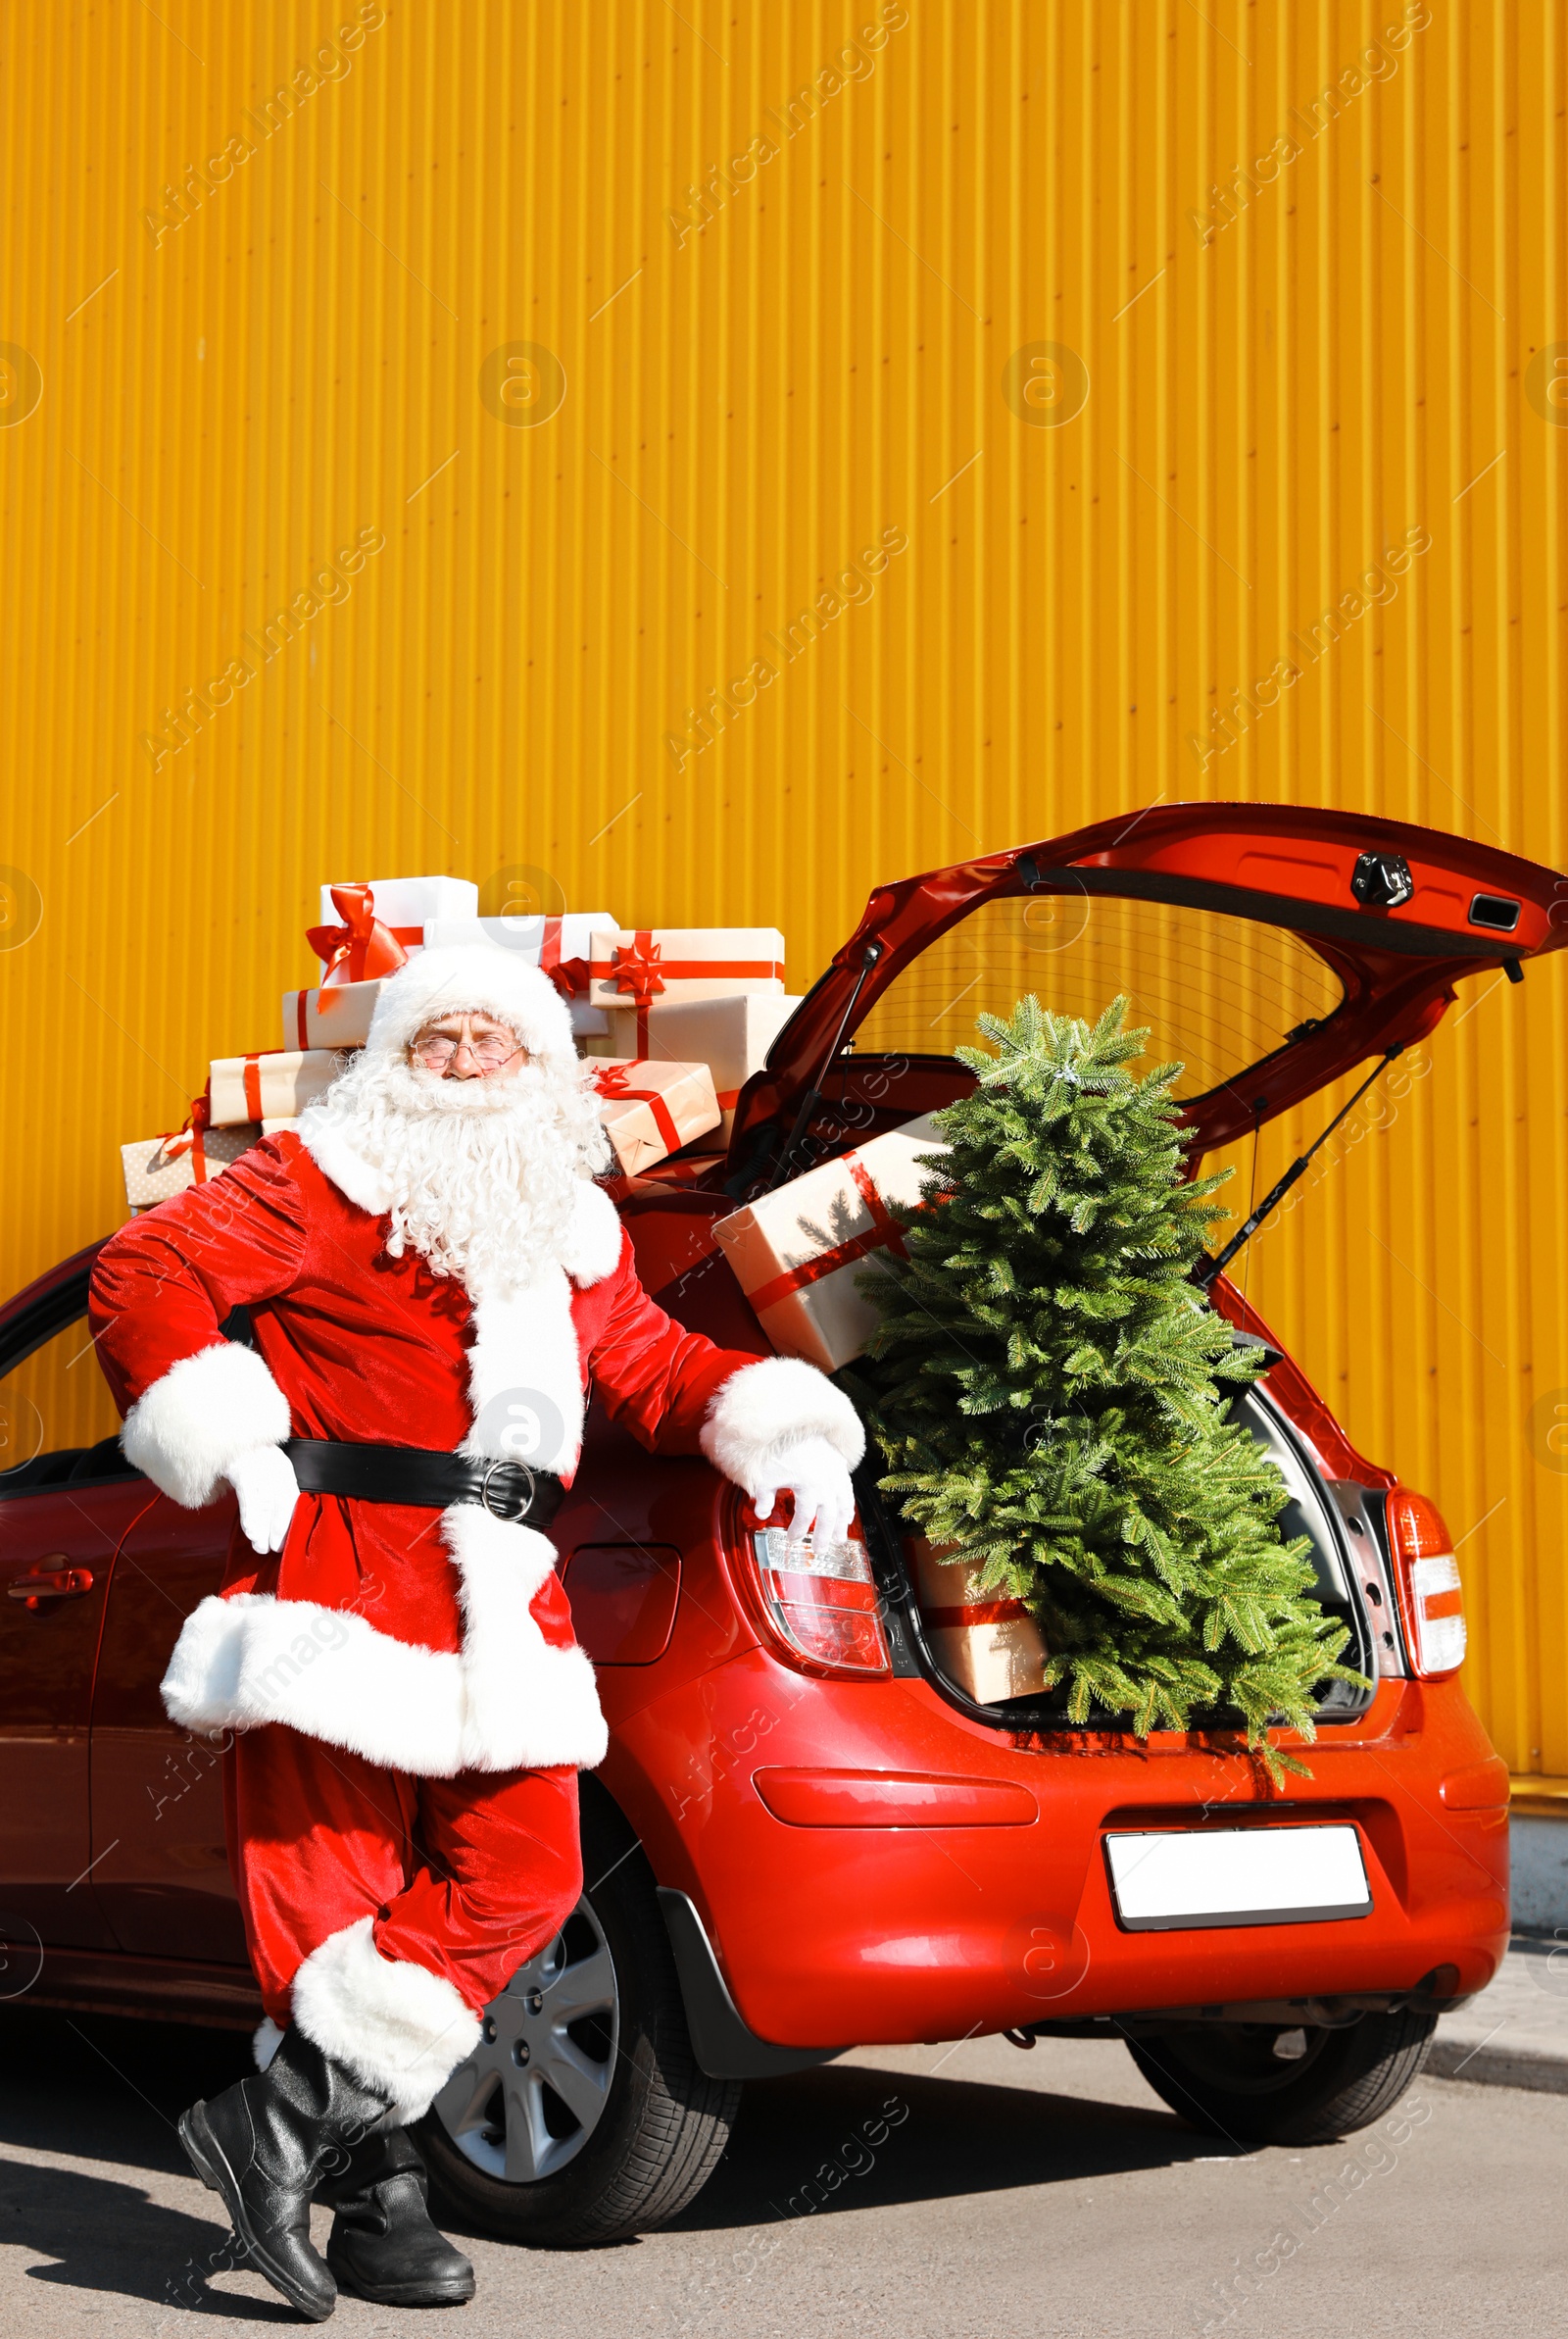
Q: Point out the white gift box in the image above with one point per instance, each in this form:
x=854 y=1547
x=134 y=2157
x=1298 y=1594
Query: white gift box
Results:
x=796 y=1253
x=652 y=1110
x=731 y=1036
x=635 y=969
x=276 y=1086
x=410 y=900
x=157 y=1166
x=338 y=1017
x=988 y=1644
x=561 y=946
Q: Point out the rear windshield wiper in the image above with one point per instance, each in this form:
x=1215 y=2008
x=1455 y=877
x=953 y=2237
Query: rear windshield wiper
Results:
x=1208 y=1269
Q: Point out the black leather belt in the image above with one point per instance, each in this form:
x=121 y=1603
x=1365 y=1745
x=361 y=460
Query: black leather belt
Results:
x=430 y=1480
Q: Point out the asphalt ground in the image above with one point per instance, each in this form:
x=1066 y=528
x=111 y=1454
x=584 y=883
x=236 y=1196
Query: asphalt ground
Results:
x=965 y=2190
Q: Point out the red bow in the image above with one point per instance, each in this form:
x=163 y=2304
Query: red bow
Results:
x=362 y=942
x=637 y=969
x=571 y=978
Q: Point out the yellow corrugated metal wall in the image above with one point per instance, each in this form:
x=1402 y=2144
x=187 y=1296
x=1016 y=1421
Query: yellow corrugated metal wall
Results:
x=1140 y=331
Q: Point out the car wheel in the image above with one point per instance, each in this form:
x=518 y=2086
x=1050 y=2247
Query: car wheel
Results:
x=583 y=2115
x=1268 y=2085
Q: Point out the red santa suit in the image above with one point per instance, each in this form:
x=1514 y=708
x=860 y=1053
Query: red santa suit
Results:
x=408 y=1705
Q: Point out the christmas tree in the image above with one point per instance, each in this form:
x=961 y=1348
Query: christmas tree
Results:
x=1047 y=1384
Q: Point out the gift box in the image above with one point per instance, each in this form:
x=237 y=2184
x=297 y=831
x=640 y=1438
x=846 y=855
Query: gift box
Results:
x=560 y=946
x=669 y=963
x=730 y=1035
x=988 y=1645
x=408 y=902
x=268 y=1088
x=797 y=1253
x=157 y=1166
x=336 y=1017
x=652 y=1110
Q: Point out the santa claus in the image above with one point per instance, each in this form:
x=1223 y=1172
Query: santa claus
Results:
x=431 y=1276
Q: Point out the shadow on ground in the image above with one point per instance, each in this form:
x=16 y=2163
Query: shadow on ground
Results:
x=846 y=2137
x=837 y=2138
x=88 y=2087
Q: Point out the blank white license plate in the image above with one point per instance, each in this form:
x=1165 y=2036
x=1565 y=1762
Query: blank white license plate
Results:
x=1171 y=1882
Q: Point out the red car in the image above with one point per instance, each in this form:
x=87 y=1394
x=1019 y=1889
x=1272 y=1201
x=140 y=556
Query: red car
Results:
x=806 y=1835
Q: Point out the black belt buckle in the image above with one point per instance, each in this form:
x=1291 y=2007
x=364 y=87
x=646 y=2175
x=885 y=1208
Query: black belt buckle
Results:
x=524 y=1502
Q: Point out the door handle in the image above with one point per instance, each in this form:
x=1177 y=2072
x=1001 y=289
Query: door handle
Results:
x=50 y=1583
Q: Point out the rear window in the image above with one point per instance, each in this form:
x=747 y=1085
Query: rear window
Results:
x=1218 y=992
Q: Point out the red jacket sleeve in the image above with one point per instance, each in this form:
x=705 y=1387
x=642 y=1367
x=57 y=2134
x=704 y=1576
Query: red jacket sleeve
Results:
x=163 y=1284
x=657 y=1379
x=680 y=1393
x=160 y=1289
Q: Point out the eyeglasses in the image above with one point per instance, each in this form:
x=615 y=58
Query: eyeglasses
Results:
x=490 y=1052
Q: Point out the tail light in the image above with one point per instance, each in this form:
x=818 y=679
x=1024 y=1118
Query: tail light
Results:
x=1431 y=1596
x=821 y=1599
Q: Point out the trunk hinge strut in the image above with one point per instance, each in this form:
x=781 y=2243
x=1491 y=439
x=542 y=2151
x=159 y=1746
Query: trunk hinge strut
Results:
x=1206 y=1269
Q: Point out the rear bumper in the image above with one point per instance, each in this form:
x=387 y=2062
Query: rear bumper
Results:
x=830 y=1935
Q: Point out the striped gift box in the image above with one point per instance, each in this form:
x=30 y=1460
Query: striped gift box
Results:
x=681 y=961
x=337 y=1018
x=731 y=1036
x=798 y=1253
x=158 y=1166
x=986 y=1645
x=652 y=1110
x=275 y=1085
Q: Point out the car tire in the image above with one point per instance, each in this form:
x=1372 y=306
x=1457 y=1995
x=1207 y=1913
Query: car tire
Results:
x=638 y=2157
x=1252 y=2082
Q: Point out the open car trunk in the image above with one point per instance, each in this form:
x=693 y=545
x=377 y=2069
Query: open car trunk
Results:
x=1270 y=949
x=925 y=1643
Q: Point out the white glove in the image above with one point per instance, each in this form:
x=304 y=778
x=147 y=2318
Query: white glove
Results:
x=262 y=1478
x=818 y=1477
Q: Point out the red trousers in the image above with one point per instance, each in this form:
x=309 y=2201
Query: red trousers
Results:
x=469 y=1876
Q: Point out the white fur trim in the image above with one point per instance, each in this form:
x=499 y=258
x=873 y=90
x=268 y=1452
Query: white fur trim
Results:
x=253 y=1658
x=185 y=1431
x=467 y=976
x=525 y=1377
x=400 y=2029
x=328 y=1147
x=529 y=1704
x=769 y=1405
x=508 y=1702
x=594 y=1238
x=266 y=2041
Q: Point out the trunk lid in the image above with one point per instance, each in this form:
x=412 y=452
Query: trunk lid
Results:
x=1271 y=948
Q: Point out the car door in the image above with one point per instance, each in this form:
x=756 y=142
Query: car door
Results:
x=67 y=1498
x=157 y=1846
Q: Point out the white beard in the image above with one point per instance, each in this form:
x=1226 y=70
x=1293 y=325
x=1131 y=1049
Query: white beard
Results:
x=483 y=1174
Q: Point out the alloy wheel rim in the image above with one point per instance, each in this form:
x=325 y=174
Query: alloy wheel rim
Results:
x=527 y=2100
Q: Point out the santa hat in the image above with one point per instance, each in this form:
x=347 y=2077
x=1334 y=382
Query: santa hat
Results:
x=466 y=978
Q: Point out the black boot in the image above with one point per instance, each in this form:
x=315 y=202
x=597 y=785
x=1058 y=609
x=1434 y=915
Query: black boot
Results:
x=263 y=2145
x=384 y=2245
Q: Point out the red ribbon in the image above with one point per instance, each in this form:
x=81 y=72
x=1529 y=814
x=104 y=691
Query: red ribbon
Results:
x=983 y=1611
x=883 y=1234
x=252 y=1086
x=570 y=976
x=361 y=943
x=198 y=1120
x=611 y=1081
